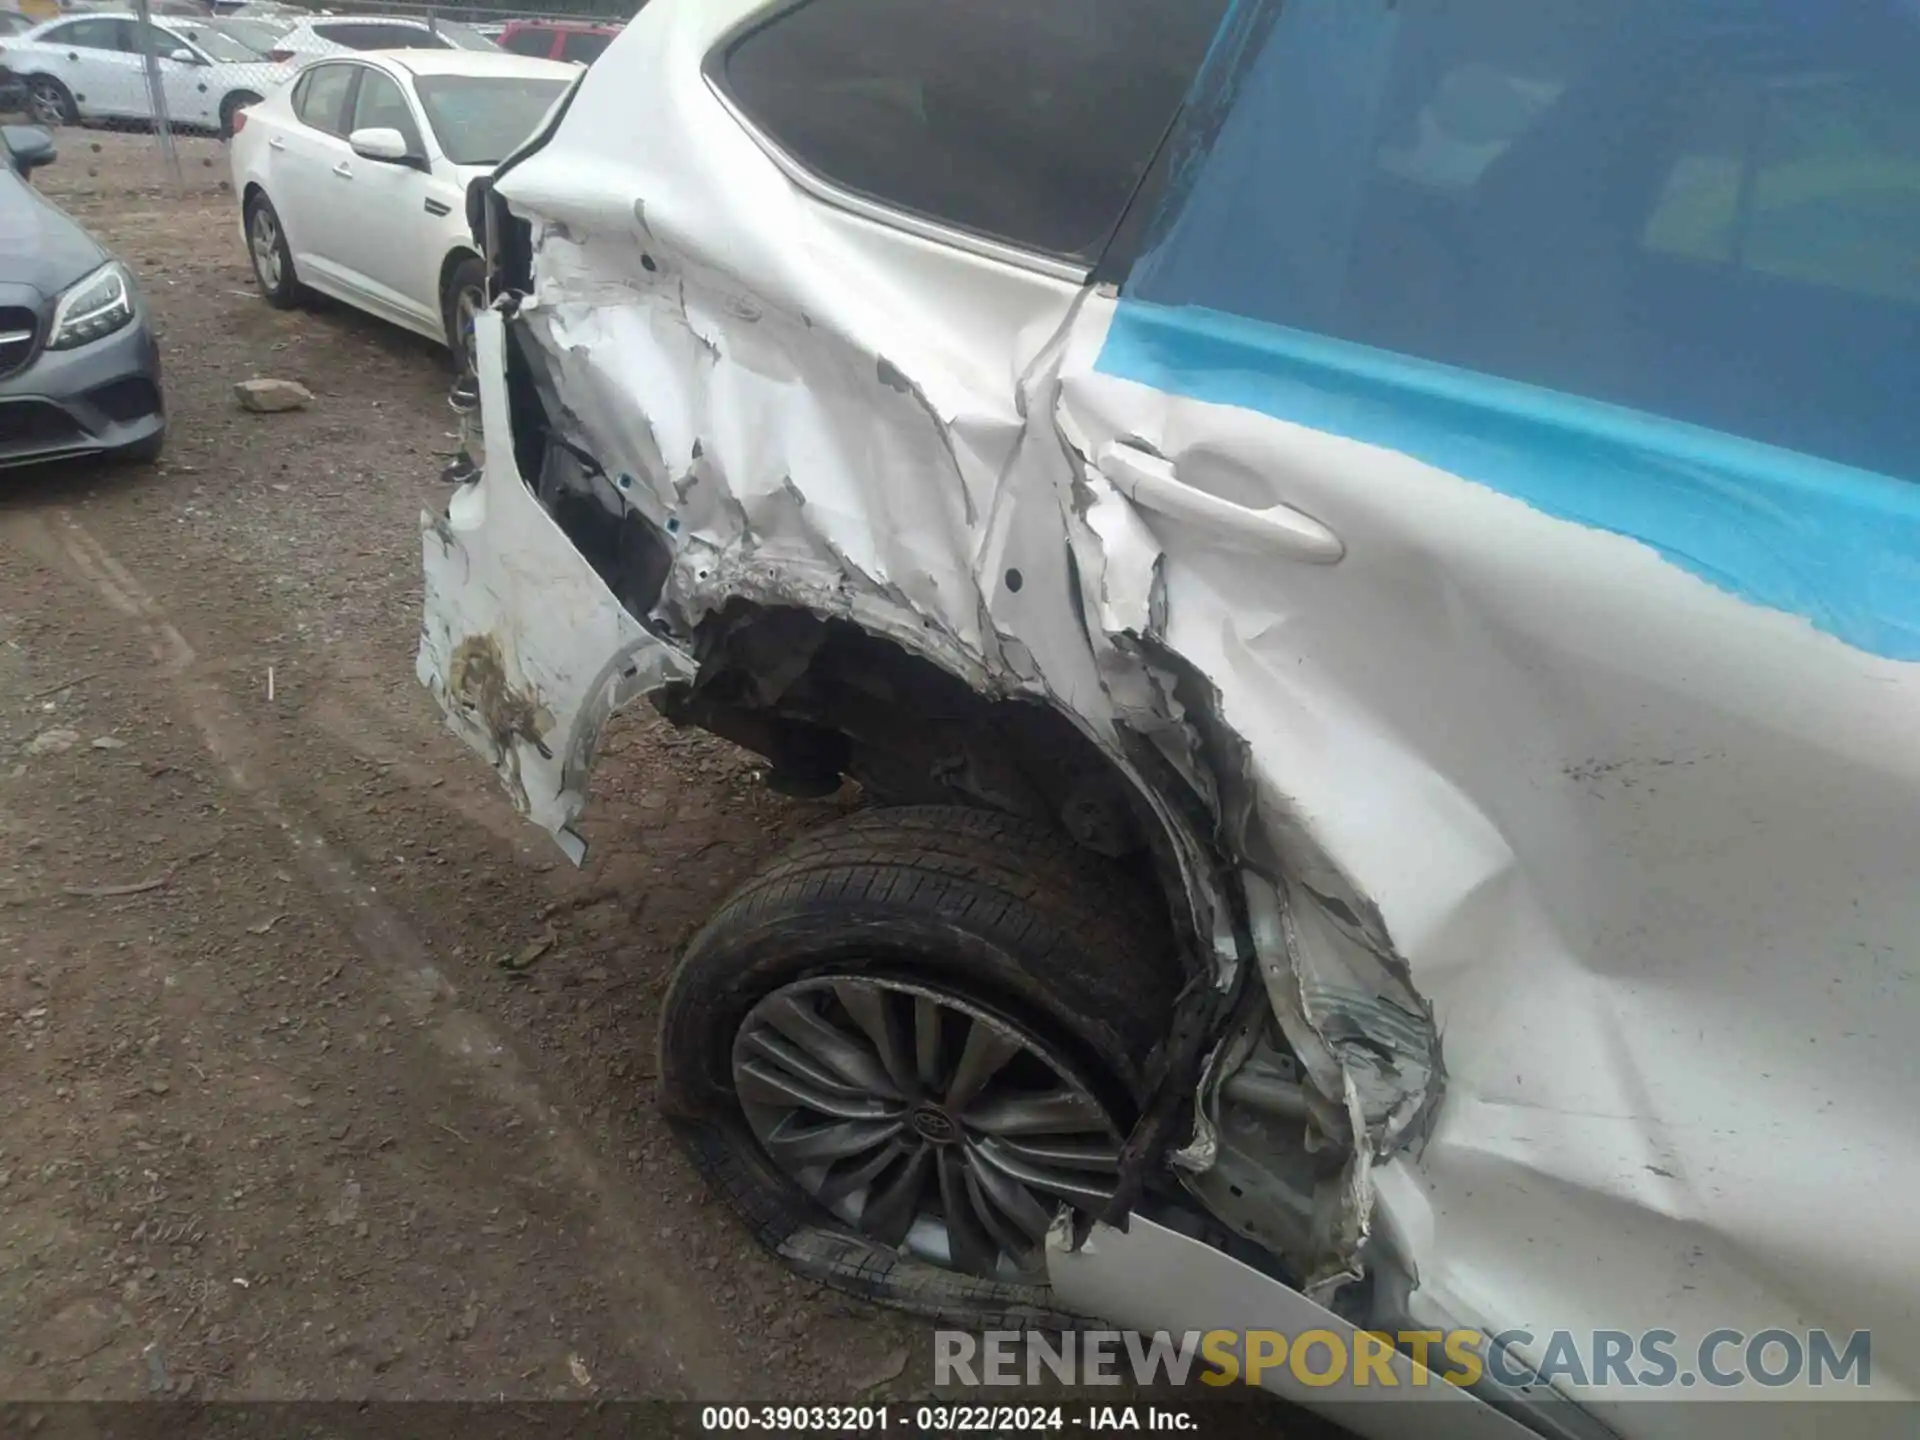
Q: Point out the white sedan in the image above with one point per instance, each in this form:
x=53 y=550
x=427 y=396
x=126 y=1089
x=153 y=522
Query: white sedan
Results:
x=353 y=180
x=336 y=34
x=93 y=67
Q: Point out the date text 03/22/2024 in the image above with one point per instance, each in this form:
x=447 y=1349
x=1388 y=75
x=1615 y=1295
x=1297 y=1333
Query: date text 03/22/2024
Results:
x=917 y=1420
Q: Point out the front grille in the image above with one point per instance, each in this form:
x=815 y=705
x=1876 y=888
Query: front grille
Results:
x=31 y=425
x=17 y=328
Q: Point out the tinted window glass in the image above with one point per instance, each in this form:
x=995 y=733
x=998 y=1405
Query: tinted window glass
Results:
x=94 y=35
x=538 y=43
x=217 y=43
x=583 y=46
x=1027 y=122
x=465 y=37
x=481 y=119
x=1704 y=209
x=322 y=98
x=380 y=105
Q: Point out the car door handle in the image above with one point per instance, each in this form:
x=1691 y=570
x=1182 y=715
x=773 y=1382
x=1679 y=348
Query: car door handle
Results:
x=343 y=170
x=437 y=207
x=1152 y=482
x=276 y=143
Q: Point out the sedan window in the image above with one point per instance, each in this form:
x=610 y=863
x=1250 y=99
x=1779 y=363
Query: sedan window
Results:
x=584 y=46
x=382 y=106
x=99 y=34
x=534 y=42
x=218 y=46
x=481 y=119
x=321 y=100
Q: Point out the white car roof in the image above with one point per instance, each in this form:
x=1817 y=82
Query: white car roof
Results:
x=468 y=62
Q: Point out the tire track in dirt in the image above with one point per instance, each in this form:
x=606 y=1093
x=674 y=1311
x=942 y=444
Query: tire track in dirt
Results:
x=464 y=1039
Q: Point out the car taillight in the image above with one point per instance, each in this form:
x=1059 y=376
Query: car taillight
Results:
x=280 y=57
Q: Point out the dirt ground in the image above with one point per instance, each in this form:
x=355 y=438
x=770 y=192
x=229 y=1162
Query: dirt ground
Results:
x=277 y=1121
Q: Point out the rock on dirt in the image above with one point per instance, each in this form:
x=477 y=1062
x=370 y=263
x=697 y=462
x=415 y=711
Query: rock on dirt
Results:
x=53 y=742
x=267 y=397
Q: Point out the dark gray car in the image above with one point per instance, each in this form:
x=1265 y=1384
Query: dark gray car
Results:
x=79 y=369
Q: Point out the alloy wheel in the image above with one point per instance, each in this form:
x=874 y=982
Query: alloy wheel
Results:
x=46 y=108
x=264 y=237
x=924 y=1121
x=467 y=304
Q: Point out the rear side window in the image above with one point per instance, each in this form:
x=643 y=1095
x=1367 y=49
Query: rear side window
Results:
x=320 y=99
x=100 y=34
x=1024 y=121
x=583 y=47
x=538 y=43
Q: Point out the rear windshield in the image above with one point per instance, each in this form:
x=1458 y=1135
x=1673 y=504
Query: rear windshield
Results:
x=360 y=35
x=481 y=119
x=464 y=37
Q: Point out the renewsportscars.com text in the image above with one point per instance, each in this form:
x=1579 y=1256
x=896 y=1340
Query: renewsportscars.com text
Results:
x=1651 y=1359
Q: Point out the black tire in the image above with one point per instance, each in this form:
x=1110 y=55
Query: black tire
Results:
x=239 y=100
x=468 y=279
x=52 y=103
x=142 y=452
x=993 y=910
x=279 y=283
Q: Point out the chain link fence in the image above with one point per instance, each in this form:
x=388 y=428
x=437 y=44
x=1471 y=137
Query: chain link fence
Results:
x=175 y=68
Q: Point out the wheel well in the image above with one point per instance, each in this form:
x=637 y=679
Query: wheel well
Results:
x=250 y=194
x=825 y=699
x=456 y=257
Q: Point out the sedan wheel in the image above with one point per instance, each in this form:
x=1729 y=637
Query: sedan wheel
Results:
x=267 y=249
x=909 y=1044
x=263 y=238
x=51 y=105
x=922 y=1120
x=462 y=297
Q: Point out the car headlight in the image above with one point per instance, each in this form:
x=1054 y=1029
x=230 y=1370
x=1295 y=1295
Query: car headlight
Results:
x=92 y=307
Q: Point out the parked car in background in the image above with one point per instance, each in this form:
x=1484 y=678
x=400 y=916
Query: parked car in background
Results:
x=353 y=180
x=93 y=67
x=259 y=36
x=579 y=41
x=79 y=368
x=12 y=22
x=334 y=35
x=1366 y=556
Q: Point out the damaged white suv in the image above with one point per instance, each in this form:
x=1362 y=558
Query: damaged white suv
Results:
x=1366 y=555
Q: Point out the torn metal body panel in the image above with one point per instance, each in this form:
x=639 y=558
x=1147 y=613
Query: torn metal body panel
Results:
x=522 y=644
x=1537 y=855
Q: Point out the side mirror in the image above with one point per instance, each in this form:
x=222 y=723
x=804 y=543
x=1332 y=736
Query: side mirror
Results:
x=28 y=147
x=382 y=143
x=184 y=57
